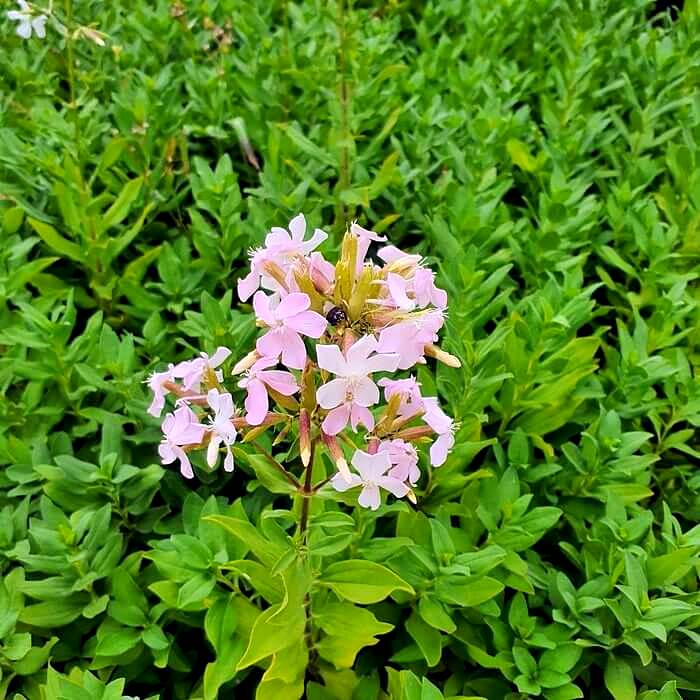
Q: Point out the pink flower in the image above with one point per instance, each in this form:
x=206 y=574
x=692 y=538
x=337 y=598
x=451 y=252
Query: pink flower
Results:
x=408 y=338
x=404 y=460
x=416 y=291
x=156 y=384
x=425 y=291
x=390 y=254
x=321 y=272
x=443 y=425
x=281 y=247
x=287 y=322
x=256 y=381
x=221 y=428
x=372 y=475
x=398 y=288
x=353 y=390
x=409 y=390
x=179 y=429
x=364 y=239
x=193 y=371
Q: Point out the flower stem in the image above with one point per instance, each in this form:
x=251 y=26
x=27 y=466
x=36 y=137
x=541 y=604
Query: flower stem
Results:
x=70 y=59
x=306 y=494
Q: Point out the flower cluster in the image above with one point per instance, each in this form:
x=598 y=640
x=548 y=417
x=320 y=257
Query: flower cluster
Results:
x=327 y=332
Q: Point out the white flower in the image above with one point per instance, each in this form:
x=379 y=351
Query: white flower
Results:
x=27 y=22
x=221 y=428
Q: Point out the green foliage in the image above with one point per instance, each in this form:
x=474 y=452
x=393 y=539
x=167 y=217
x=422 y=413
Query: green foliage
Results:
x=544 y=155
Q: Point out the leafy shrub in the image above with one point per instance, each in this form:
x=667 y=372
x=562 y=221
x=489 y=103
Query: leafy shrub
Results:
x=543 y=156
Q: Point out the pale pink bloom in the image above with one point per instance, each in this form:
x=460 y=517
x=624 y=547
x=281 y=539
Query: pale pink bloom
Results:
x=364 y=239
x=372 y=475
x=415 y=291
x=180 y=428
x=281 y=248
x=191 y=372
x=404 y=460
x=424 y=290
x=398 y=288
x=221 y=428
x=443 y=425
x=353 y=390
x=390 y=254
x=287 y=321
x=408 y=338
x=156 y=383
x=256 y=381
x=321 y=272
x=409 y=390
x=27 y=21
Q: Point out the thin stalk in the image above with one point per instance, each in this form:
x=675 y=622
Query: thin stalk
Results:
x=272 y=461
x=344 y=100
x=306 y=494
x=70 y=57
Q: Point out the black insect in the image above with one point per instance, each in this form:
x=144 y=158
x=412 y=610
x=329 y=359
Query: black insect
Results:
x=336 y=316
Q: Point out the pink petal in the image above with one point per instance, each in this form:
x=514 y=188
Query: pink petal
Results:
x=365 y=392
x=370 y=467
x=318 y=237
x=219 y=356
x=307 y=323
x=369 y=497
x=185 y=466
x=441 y=448
x=385 y=362
x=332 y=393
x=339 y=483
x=391 y=253
x=361 y=415
x=261 y=306
x=270 y=344
x=397 y=291
x=256 y=403
x=336 y=419
x=278 y=238
x=297 y=226
x=293 y=349
x=228 y=461
x=331 y=359
x=360 y=351
x=292 y=304
x=282 y=382
x=247 y=285
x=394 y=486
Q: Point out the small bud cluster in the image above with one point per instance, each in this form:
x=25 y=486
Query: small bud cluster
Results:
x=360 y=320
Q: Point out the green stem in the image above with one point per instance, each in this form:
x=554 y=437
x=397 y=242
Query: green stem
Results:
x=272 y=461
x=344 y=99
x=70 y=57
x=306 y=495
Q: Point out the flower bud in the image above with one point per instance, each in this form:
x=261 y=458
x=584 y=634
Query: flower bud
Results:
x=432 y=350
x=246 y=363
x=416 y=433
x=337 y=456
x=304 y=437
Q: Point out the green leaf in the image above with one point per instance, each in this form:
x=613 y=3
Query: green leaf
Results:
x=619 y=679
x=362 y=581
x=428 y=639
x=348 y=629
x=55 y=241
x=121 y=205
x=459 y=590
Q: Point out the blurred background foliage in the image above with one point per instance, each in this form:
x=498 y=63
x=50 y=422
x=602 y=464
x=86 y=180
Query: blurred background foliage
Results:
x=543 y=155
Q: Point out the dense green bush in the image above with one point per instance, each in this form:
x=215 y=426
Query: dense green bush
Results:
x=544 y=155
